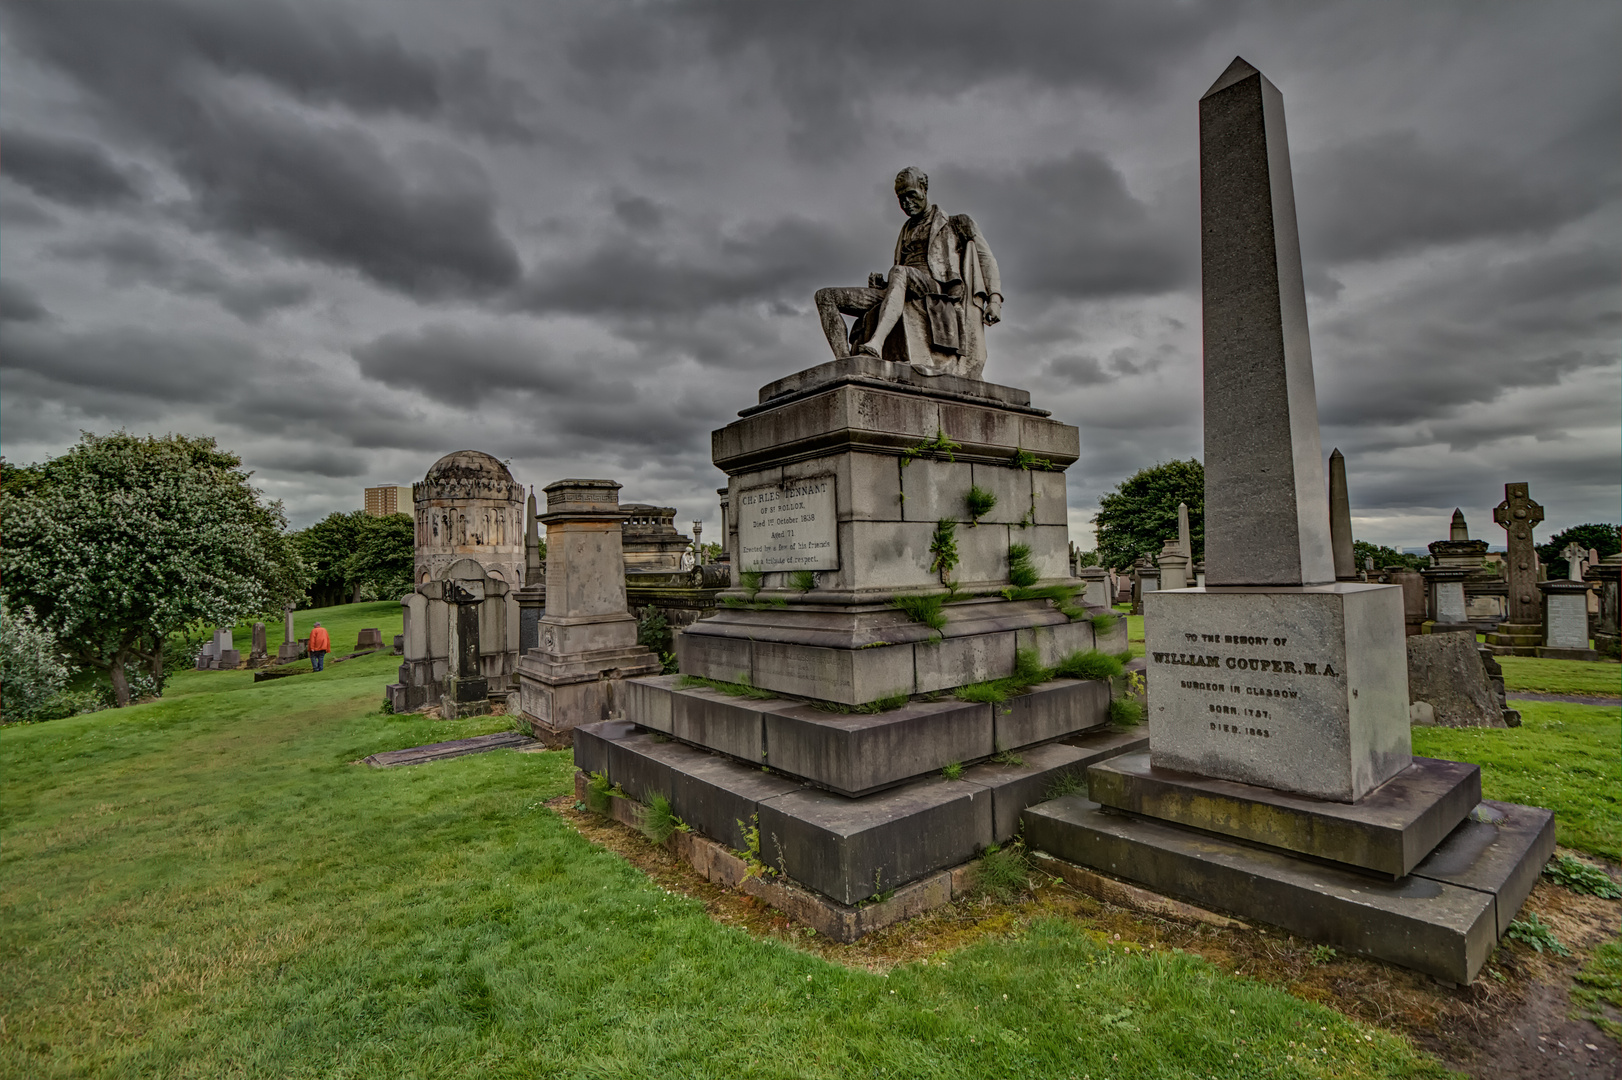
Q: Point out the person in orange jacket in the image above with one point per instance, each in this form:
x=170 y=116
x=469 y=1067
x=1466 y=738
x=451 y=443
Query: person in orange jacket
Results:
x=320 y=645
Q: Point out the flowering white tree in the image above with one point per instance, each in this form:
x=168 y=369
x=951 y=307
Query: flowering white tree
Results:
x=124 y=540
x=31 y=671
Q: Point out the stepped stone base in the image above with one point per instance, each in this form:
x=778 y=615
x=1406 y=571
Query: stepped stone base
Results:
x=1444 y=918
x=1551 y=652
x=846 y=849
x=1389 y=831
x=1515 y=639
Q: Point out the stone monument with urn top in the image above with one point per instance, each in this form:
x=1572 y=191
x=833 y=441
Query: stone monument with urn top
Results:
x=1280 y=782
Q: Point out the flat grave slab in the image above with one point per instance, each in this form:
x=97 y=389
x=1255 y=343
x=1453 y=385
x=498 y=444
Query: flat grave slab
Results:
x=1389 y=831
x=1500 y=848
x=856 y=753
x=478 y=744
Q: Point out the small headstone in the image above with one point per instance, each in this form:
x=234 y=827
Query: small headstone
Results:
x=369 y=638
x=259 y=648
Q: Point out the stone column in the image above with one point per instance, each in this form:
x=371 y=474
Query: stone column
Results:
x=1173 y=567
x=289 y=650
x=1340 y=520
x=588 y=635
x=1266 y=521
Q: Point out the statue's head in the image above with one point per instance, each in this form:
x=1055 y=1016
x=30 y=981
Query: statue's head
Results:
x=912 y=190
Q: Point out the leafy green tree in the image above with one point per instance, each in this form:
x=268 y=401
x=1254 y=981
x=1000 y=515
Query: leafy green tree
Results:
x=1386 y=558
x=385 y=554
x=1602 y=538
x=126 y=540
x=328 y=549
x=1136 y=518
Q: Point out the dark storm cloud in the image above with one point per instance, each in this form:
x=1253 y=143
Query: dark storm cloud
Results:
x=826 y=65
x=1070 y=228
x=17 y=304
x=1391 y=193
x=171 y=73
x=465 y=367
x=175 y=367
x=633 y=270
x=65 y=170
x=131 y=258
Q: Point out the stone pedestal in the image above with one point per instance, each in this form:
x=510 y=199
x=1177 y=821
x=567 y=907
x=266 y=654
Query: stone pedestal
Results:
x=1300 y=689
x=1415 y=601
x=587 y=635
x=1095 y=587
x=1444 y=587
x=1607 y=575
x=290 y=649
x=1565 y=621
x=1173 y=569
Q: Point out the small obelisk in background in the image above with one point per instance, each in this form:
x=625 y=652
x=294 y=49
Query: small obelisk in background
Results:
x=1340 y=520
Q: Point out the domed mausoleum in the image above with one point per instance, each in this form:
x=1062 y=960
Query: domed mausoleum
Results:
x=469 y=507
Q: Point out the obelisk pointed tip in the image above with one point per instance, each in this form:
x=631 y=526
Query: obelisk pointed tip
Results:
x=1237 y=71
x=1335 y=453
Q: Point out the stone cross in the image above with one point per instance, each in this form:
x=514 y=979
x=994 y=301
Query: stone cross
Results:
x=1575 y=555
x=1518 y=514
x=1266 y=519
x=1340 y=520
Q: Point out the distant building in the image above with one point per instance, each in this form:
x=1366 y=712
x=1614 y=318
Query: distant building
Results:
x=383 y=501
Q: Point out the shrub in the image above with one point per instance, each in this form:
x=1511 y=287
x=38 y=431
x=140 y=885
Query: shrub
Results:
x=32 y=673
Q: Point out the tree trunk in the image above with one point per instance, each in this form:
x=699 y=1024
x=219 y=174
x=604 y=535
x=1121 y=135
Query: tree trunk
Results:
x=157 y=666
x=121 y=682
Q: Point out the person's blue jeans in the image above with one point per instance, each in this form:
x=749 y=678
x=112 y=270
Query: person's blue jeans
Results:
x=317 y=659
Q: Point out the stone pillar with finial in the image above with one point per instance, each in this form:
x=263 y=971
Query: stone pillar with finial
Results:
x=532 y=597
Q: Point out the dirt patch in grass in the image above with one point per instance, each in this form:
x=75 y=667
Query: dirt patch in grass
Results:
x=1515 y=1020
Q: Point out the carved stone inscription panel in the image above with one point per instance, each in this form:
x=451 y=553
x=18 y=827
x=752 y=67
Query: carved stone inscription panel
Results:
x=792 y=526
x=1257 y=687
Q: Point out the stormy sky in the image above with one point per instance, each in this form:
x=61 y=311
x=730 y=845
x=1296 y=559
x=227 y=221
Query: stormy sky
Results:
x=346 y=238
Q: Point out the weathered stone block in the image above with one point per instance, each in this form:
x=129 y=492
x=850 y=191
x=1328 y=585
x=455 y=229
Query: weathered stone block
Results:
x=1054 y=643
x=1011 y=486
x=732 y=725
x=1014 y=787
x=934 y=490
x=1501 y=848
x=1445 y=672
x=855 y=753
x=649 y=701
x=1049 y=498
x=1441 y=929
x=1388 y=831
x=850 y=849
x=1050 y=710
x=1301 y=689
x=958 y=661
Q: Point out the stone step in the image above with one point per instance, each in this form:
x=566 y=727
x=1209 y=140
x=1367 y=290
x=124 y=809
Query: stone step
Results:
x=848 y=849
x=1388 y=831
x=853 y=753
x=1445 y=918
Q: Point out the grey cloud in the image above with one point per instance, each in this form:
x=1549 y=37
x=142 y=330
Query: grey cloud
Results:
x=1070 y=228
x=65 y=170
x=465 y=367
x=17 y=304
x=189 y=367
x=140 y=258
x=423 y=223
x=1391 y=193
x=1077 y=370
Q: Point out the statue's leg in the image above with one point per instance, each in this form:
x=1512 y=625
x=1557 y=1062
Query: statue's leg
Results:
x=895 y=295
x=836 y=302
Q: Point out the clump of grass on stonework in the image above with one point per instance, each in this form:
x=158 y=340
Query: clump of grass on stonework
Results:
x=802 y=580
x=1066 y=783
x=1009 y=759
x=1003 y=872
x=1535 y=932
x=943 y=548
x=1090 y=664
x=750 y=581
x=953 y=770
x=1021 y=571
x=979 y=502
x=925 y=610
x=742 y=688
x=1125 y=712
x=1104 y=622
x=597 y=789
x=1028 y=671
x=1582 y=877
x=659 y=820
x=883 y=704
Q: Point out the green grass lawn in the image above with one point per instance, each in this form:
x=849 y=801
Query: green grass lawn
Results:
x=208 y=886
x=1561 y=676
x=1564 y=757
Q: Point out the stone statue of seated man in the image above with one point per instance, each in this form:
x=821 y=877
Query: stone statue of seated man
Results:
x=932 y=309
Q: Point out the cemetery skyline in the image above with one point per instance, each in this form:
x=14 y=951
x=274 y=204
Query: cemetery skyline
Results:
x=347 y=239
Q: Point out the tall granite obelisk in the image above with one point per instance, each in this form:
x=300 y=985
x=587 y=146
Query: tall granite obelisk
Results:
x=1274 y=673
x=1340 y=520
